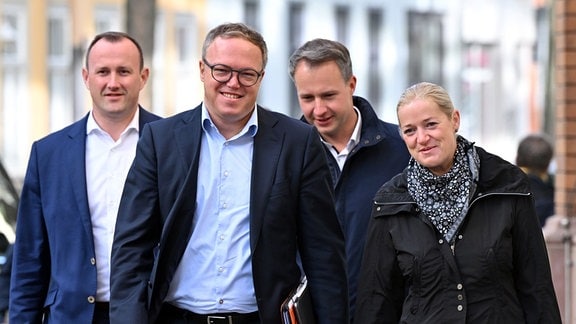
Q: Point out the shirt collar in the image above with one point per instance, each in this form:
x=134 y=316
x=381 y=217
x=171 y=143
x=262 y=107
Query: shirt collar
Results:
x=251 y=127
x=355 y=137
x=92 y=125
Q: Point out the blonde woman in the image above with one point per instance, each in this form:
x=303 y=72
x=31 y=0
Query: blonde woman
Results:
x=455 y=237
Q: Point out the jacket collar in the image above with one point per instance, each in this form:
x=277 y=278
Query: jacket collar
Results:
x=496 y=176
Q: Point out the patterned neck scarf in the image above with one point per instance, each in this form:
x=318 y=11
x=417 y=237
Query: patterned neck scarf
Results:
x=444 y=199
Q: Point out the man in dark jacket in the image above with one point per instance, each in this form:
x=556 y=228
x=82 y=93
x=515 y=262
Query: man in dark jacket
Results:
x=221 y=204
x=363 y=152
x=533 y=156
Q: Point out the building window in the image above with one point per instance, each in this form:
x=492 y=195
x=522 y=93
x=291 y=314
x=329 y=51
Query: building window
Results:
x=107 y=19
x=14 y=84
x=12 y=35
x=185 y=27
x=187 y=57
x=479 y=89
x=342 y=23
x=295 y=31
x=375 y=84
x=60 y=80
x=251 y=13
x=59 y=39
x=56 y=31
x=425 y=43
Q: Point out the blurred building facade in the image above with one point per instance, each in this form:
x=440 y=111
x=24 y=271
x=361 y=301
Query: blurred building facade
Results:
x=484 y=52
x=43 y=46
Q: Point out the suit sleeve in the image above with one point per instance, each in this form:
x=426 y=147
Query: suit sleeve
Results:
x=136 y=235
x=321 y=239
x=31 y=257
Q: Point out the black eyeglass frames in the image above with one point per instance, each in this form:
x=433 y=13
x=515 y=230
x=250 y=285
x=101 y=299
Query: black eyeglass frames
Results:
x=223 y=73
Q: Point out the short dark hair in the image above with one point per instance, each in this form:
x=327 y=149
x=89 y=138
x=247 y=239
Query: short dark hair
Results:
x=318 y=51
x=237 y=30
x=113 y=37
x=535 y=152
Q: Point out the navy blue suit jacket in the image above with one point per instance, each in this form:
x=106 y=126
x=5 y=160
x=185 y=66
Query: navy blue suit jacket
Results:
x=291 y=210
x=53 y=270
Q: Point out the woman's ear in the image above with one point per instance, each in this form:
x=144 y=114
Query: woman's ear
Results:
x=456 y=120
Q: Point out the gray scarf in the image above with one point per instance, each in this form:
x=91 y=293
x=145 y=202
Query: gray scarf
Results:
x=444 y=199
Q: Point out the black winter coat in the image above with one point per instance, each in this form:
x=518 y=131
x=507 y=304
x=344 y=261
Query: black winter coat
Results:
x=497 y=271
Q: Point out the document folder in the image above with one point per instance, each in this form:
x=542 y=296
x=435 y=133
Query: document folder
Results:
x=297 y=307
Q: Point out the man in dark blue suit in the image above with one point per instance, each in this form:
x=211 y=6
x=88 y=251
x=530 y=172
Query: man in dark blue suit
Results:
x=71 y=192
x=363 y=151
x=223 y=204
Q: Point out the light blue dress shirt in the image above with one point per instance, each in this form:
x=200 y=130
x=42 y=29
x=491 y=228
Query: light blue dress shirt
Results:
x=215 y=273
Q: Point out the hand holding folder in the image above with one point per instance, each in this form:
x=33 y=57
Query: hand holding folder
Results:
x=297 y=307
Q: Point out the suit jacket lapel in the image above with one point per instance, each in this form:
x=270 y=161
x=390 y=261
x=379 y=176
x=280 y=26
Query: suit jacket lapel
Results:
x=178 y=229
x=267 y=147
x=74 y=159
x=188 y=138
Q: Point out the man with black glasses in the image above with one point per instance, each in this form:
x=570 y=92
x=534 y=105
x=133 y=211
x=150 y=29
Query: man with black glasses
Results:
x=222 y=202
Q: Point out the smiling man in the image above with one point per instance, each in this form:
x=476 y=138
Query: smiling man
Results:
x=71 y=192
x=363 y=152
x=222 y=203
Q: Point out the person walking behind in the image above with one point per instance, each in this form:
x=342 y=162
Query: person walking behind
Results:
x=363 y=151
x=533 y=156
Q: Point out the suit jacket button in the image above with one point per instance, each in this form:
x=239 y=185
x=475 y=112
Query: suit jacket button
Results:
x=92 y=261
x=91 y=299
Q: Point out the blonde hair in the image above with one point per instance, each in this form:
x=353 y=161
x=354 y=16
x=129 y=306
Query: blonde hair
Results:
x=427 y=90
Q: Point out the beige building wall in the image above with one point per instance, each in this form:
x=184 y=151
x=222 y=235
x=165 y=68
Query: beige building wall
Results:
x=29 y=106
x=37 y=69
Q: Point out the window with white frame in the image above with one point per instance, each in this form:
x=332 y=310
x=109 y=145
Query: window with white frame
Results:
x=107 y=18
x=425 y=40
x=60 y=80
x=295 y=38
x=59 y=36
x=14 y=91
x=252 y=13
x=186 y=40
x=375 y=84
x=342 y=23
x=13 y=35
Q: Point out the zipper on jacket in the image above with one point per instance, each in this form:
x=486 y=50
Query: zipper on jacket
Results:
x=481 y=196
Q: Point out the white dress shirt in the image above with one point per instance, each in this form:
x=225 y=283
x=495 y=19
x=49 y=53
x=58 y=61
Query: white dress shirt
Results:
x=107 y=165
x=354 y=140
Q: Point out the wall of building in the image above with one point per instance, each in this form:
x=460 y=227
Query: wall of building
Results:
x=561 y=229
x=480 y=51
x=43 y=48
